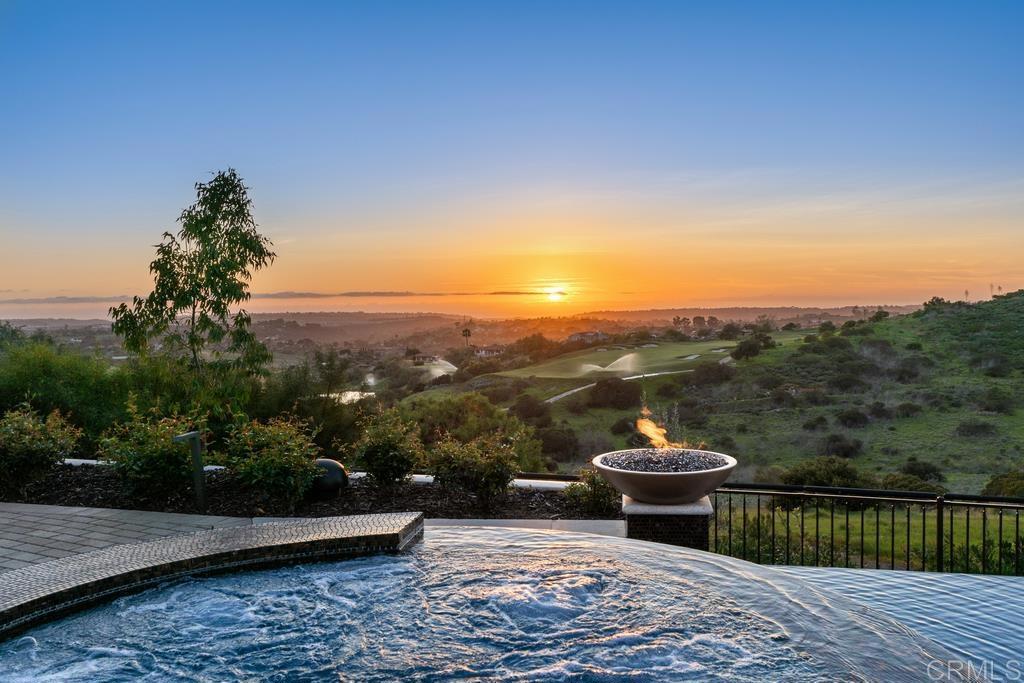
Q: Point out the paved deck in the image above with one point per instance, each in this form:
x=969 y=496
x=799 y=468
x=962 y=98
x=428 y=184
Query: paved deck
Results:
x=31 y=534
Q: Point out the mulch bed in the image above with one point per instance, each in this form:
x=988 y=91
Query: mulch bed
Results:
x=98 y=486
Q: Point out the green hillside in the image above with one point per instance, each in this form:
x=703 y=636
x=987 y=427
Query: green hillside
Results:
x=944 y=386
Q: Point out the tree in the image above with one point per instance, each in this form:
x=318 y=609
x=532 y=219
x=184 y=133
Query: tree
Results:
x=331 y=369
x=466 y=334
x=200 y=274
x=748 y=348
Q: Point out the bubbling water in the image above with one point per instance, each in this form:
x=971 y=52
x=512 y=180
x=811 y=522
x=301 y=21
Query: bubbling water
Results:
x=482 y=604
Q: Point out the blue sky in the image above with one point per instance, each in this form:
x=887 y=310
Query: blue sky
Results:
x=425 y=124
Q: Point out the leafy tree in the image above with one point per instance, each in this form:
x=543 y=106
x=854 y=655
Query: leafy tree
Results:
x=827 y=327
x=200 y=274
x=730 y=331
x=748 y=348
x=466 y=334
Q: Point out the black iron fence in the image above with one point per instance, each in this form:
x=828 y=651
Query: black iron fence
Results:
x=836 y=527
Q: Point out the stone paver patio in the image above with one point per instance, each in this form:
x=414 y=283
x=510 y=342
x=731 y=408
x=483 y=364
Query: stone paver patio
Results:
x=31 y=534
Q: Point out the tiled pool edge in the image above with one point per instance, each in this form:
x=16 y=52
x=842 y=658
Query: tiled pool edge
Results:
x=41 y=592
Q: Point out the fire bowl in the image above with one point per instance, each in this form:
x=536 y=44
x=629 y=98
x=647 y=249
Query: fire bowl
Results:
x=665 y=476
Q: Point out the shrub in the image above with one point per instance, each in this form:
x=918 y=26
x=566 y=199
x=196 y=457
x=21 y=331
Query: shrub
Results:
x=623 y=425
x=87 y=392
x=709 y=373
x=842 y=446
x=615 y=393
x=975 y=428
x=847 y=382
x=389 y=449
x=1007 y=485
x=748 y=348
x=922 y=470
x=828 y=471
x=148 y=461
x=880 y=411
x=815 y=423
x=484 y=467
x=559 y=443
x=592 y=442
x=593 y=495
x=996 y=400
x=30 y=445
x=914 y=346
x=276 y=458
x=908 y=482
x=668 y=390
x=851 y=417
x=908 y=410
x=532 y=410
x=469 y=416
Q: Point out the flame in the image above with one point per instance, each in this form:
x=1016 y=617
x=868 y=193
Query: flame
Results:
x=655 y=434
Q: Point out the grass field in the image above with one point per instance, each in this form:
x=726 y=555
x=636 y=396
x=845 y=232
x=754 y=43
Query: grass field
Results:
x=885 y=537
x=620 y=361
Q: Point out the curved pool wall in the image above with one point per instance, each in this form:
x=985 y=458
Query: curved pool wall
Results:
x=484 y=603
x=37 y=593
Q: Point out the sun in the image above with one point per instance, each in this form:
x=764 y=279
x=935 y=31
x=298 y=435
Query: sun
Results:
x=555 y=293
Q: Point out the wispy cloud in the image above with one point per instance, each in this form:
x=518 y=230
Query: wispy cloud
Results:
x=356 y=294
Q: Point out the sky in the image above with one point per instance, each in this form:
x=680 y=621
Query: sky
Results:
x=584 y=155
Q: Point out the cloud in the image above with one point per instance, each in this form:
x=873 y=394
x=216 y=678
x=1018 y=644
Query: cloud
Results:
x=67 y=300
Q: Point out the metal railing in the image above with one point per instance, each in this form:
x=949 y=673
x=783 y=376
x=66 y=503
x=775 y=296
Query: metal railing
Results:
x=837 y=527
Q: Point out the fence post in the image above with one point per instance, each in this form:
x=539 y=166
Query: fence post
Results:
x=198 y=473
x=939 y=534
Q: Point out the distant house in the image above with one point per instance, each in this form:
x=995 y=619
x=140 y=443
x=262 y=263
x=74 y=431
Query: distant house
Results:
x=423 y=359
x=488 y=351
x=588 y=337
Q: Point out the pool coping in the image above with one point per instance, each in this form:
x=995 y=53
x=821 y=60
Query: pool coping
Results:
x=32 y=595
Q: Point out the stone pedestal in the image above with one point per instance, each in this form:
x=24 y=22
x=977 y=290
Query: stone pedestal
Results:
x=686 y=525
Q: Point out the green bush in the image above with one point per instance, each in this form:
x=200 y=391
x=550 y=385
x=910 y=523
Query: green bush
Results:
x=276 y=458
x=84 y=389
x=1007 y=485
x=593 y=495
x=827 y=471
x=483 y=468
x=908 y=482
x=389 y=449
x=907 y=410
x=149 y=463
x=851 y=417
x=748 y=348
x=842 y=446
x=559 y=442
x=815 y=423
x=975 y=428
x=30 y=445
x=615 y=393
x=927 y=471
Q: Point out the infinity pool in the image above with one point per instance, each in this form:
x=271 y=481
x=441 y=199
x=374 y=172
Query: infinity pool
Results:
x=486 y=604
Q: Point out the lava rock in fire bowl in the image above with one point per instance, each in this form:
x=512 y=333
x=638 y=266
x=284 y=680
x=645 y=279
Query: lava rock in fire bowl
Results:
x=665 y=476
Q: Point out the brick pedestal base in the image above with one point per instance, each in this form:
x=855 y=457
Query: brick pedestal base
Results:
x=686 y=525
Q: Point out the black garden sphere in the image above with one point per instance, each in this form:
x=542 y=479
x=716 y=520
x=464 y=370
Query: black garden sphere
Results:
x=332 y=479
